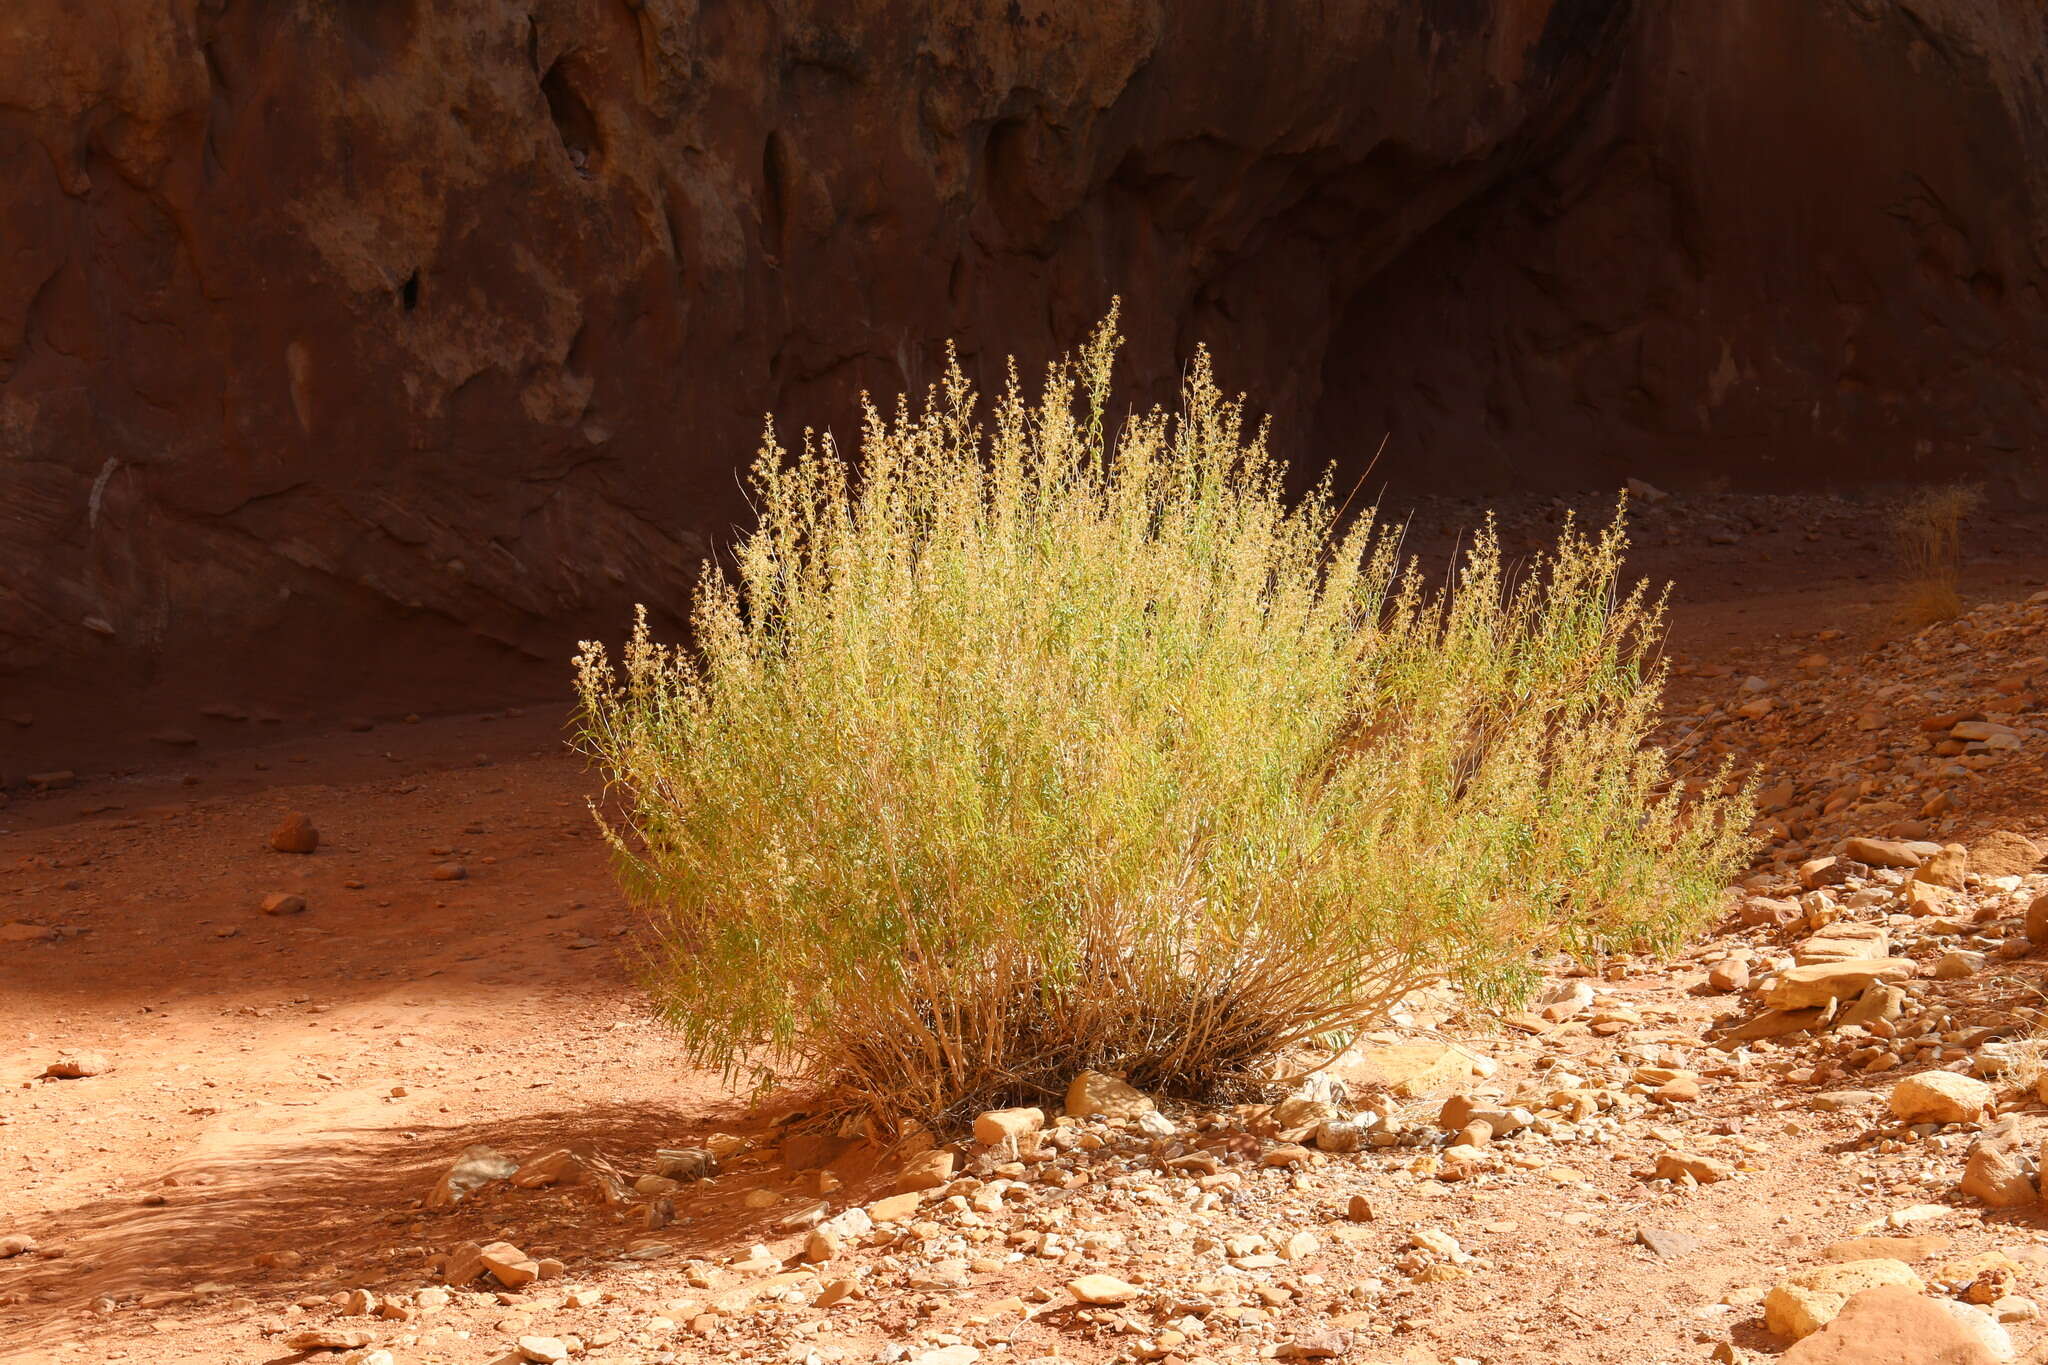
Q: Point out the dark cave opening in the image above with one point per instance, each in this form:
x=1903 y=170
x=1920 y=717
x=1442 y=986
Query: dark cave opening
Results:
x=575 y=124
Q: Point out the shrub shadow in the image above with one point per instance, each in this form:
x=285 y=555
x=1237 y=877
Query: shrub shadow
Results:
x=345 y=1210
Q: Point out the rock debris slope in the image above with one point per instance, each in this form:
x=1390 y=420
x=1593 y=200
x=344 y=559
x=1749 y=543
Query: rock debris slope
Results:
x=436 y=1126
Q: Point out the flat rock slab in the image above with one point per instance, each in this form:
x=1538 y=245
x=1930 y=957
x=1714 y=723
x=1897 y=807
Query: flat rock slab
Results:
x=1102 y=1289
x=1889 y=852
x=1886 y=1248
x=1667 y=1245
x=1820 y=982
x=1410 y=1070
x=1843 y=942
x=1770 y=1024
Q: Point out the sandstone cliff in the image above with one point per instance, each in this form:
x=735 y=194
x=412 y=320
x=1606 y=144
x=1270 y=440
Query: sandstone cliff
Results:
x=362 y=349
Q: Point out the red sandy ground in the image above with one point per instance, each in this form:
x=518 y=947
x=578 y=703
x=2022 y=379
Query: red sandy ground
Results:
x=297 y=1082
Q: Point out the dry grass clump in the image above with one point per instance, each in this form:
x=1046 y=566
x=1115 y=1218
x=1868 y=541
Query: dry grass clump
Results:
x=2026 y=1060
x=1929 y=535
x=2022 y=1059
x=1028 y=745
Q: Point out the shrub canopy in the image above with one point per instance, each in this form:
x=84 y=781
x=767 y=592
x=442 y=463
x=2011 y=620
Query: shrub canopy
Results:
x=1027 y=744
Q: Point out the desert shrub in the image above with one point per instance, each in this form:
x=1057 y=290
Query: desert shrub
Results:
x=1927 y=530
x=1031 y=747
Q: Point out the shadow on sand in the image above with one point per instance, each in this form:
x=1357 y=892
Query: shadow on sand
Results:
x=346 y=1208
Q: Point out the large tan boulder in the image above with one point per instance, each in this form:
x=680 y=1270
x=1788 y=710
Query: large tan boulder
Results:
x=1893 y=1325
x=1940 y=1097
x=1807 y=1300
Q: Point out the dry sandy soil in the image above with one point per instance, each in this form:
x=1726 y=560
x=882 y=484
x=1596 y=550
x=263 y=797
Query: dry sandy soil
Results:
x=282 y=1090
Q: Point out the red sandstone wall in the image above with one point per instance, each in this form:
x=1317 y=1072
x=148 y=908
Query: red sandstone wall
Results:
x=366 y=349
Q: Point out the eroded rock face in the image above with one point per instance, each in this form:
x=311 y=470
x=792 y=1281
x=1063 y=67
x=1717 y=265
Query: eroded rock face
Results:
x=1784 y=243
x=354 y=346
